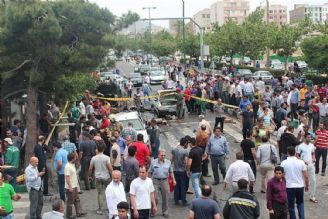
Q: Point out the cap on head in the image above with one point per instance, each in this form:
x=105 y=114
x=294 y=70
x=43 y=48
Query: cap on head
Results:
x=8 y=140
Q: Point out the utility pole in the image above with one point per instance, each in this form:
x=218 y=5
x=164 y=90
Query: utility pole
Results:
x=149 y=8
x=267 y=22
x=183 y=33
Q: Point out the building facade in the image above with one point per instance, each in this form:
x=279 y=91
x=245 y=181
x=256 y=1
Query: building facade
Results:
x=277 y=14
x=203 y=18
x=223 y=10
x=316 y=13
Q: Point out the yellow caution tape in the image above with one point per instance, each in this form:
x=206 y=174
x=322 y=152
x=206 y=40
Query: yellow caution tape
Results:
x=120 y=99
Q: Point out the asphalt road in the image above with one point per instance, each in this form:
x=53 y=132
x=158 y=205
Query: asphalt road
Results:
x=170 y=136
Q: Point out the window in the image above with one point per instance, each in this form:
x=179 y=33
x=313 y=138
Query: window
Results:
x=271 y=17
x=280 y=17
x=280 y=11
x=270 y=11
x=208 y=16
x=203 y=15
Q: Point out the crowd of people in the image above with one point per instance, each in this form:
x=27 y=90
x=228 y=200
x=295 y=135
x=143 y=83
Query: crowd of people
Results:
x=132 y=176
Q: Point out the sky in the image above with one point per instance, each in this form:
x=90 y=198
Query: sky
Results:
x=173 y=8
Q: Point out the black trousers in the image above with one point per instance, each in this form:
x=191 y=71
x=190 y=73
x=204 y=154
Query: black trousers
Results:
x=280 y=211
x=143 y=214
x=219 y=120
x=45 y=181
x=318 y=153
x=205 y=167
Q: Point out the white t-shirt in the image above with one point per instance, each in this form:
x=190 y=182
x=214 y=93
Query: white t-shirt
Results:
x=70 y=170
x=142 y=189
x=305 y=151
x=294 y=168
x=248 y=87
x=239 y=170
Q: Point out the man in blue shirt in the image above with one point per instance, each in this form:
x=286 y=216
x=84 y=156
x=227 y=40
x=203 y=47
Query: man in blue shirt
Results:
x=294 y=101
x=243 y=104
x=60 y=162
x=218 y=149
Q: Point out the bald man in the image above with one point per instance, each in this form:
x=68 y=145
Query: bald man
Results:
x=34 y=187
x=115 y=193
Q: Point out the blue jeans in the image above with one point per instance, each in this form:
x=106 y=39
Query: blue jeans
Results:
x=180 y=189
x=61 y=186
x=10 y=216
x=154 y=150
x=298 y=194
x=195 y=183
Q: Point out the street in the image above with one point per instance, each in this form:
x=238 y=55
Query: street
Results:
x=170 y=136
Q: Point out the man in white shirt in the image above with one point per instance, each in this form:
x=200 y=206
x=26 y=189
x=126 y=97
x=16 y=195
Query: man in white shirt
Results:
x=57 y=212
x=305 y=152
x=295 y=174
x=71 y=186
x=142 y=196
x=281 y=130
x=238 y=170
x=323 y=110
x=203 y=122
x=249 y=89
x=115 y=194
x=260 y=85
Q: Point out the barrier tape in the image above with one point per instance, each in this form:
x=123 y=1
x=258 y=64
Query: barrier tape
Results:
x=157 y=96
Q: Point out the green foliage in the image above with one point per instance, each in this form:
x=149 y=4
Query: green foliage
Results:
x=69 y=86
x=317 y=79
x=314 y=52
x=191 y=46
x=41 y=41
x=126 y=20
x=163 y=44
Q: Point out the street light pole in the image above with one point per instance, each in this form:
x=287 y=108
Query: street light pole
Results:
x=183 y=33
x=149 y=8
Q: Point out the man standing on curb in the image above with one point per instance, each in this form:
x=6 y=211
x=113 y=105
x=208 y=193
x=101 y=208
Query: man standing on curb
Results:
x=296 y=174
x=34 y=187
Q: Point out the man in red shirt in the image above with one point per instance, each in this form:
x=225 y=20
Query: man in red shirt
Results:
x=187 y=94
x=143 y=153
x=321 y=144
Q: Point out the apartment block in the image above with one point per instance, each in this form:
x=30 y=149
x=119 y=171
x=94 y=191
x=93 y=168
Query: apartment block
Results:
x=223 y=10
x=203 y=18
x=315 y=13
x=277 y=14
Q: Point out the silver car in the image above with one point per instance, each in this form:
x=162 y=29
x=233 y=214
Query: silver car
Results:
x=265 y=75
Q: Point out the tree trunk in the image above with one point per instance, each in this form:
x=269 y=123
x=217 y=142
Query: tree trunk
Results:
x=31 y=121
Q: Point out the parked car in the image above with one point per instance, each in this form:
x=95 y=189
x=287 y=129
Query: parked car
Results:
x=136 y=120
x=109 y=90
x=165 y=104
x=265 y=75
x=243 y=72
x=143 y=69
x=302 y=64
x=245 y=61
x=277 y=66
x=136 y=79
x=156 y=77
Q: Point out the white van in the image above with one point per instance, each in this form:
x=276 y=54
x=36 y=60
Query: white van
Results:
x=136 y=120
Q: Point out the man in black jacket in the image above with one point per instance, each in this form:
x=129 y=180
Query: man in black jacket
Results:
x=242 y=204
x=40 y=152
x=288 y=139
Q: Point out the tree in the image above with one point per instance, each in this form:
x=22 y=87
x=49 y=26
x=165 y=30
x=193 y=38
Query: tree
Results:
x=126 y=20
x=163 y=44
x=313 y=49
x=191 y=46
x=282 y=40
x=40 y=41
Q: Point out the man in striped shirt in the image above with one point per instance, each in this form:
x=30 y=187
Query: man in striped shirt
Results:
x=321 y=144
